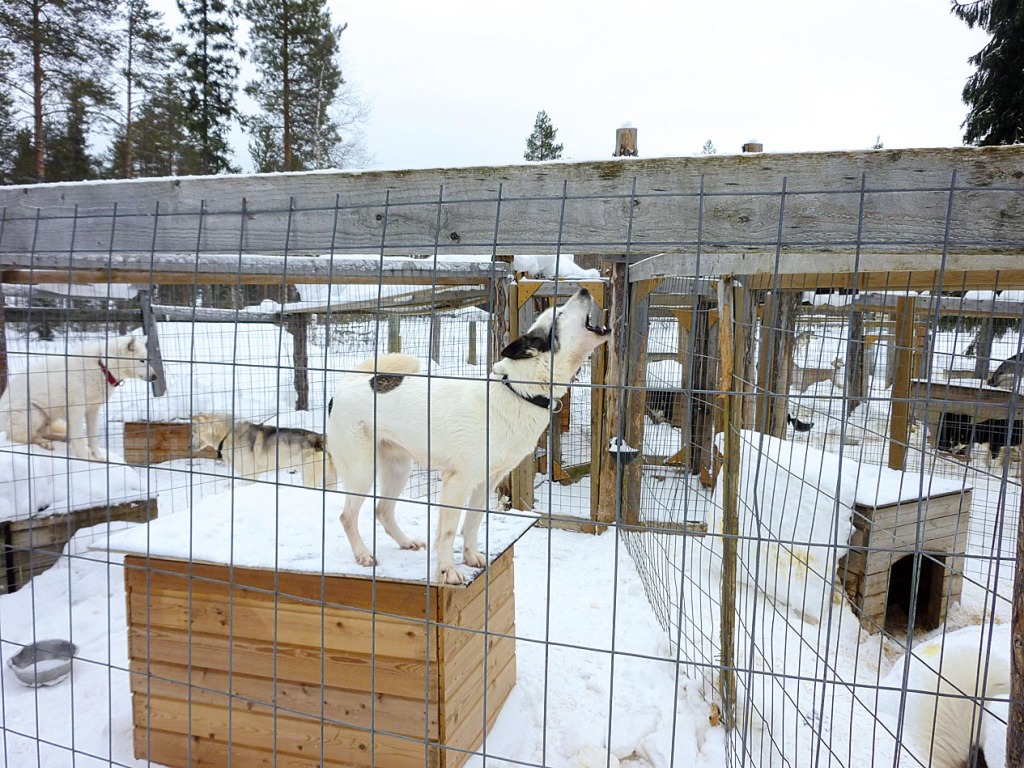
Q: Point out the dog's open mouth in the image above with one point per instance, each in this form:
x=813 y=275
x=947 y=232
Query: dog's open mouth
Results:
x=596 y=328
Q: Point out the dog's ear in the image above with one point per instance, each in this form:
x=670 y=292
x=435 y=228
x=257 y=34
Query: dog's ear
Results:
x=522 y=348
x=131 y=344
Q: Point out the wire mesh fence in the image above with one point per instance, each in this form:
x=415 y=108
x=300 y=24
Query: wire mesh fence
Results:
x=799 y=442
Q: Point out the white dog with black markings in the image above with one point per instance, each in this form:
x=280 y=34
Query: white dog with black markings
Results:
x=59 y=397
x=472 y=431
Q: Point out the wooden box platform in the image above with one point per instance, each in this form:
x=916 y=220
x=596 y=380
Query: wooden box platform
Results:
x=32 y=545
x=154 y=442
x=886 y=548
x=299 y=669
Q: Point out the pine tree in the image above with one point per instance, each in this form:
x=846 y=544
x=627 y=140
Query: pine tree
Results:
x=160 y=140
x=8 y=124
x=299 y=85
x=146 y=57
x=67 y=142
x=995 y=92
x=708 y=148
x=55 y=43
x=209 y=61
x=540 y=145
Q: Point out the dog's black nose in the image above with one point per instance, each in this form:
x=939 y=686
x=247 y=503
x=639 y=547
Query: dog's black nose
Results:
x=584 y=293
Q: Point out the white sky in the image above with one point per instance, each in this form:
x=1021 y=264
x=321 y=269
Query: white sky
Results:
x=459 y=82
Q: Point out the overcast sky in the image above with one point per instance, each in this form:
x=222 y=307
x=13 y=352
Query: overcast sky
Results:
x=455 y=83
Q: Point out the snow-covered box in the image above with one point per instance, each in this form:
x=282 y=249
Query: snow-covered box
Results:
x=268 y=643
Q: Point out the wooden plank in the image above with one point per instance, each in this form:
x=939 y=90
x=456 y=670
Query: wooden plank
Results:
x=179 y=751
x=299 y=664
x=383 y=597
x=583 y=205
x=899 y=419
x=358 y=708
x=470 y=728
x=291 y=623
x=281 y=734
x=887 y=278
x=154 y=442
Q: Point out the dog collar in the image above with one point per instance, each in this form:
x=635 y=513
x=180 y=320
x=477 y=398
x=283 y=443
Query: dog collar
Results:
x=539 y=400
x=111 y=380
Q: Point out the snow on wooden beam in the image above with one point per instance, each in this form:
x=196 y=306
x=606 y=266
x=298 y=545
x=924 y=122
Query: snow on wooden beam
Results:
x=218 y=269
x=890 y=201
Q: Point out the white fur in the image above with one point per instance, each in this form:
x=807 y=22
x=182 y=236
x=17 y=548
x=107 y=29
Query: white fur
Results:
x=61 y=395
x=955 y=689
x=472 y=431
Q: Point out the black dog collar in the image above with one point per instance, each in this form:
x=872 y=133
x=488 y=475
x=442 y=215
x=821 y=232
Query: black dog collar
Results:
x=539 y=400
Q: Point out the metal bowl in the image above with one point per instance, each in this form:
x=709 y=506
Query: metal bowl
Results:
x=46 y=662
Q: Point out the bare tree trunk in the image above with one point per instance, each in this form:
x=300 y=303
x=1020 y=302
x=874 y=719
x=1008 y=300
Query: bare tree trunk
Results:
x=37 y=92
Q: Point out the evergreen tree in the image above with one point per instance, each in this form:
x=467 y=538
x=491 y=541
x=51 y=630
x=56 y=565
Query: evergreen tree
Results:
x=708 y=148
x=210 y=71
x=995 y=92
x=160 y=140
x=145 y=59
x=878 y=143
x=8 y=122
x=540 y=145
x=67 y=142
x=295 y=50
x=55 y=43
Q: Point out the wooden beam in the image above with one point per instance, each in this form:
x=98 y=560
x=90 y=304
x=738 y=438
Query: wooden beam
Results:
x=148 y=268
x=899 y=419
x=1015 y=718
x=589 y=207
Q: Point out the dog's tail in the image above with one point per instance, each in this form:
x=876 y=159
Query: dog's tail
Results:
x=393 y=362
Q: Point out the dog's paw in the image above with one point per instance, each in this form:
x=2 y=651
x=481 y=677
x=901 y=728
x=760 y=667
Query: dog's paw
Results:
x=367 y=559
x=449 y=575
x=45 y=444
x=474 y=559
x=98 y=455
x=414 y=545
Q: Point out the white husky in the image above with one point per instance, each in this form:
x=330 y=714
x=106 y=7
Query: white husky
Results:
x=472 y=431
x=60 y=395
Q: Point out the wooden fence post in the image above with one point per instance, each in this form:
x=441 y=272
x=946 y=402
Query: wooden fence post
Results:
x=471 y=356
x=297 y=324
x=1015 y=719
x=775 y=361
x=899 y=419
x=730 y=334
x=632 y=430
x=394 y=333
x=152 y=344
x=3 y=343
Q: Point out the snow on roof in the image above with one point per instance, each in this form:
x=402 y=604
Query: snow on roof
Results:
x=561 y=266
x=297 y=529
x=37 y=483
x=881 y=486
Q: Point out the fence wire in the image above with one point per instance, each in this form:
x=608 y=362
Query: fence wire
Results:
x=193 y=555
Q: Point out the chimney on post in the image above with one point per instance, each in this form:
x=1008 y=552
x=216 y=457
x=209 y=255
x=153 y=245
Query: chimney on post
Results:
x=625 y=142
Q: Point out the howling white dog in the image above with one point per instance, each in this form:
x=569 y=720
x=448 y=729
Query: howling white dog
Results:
x=472 y=431
x=60 y=395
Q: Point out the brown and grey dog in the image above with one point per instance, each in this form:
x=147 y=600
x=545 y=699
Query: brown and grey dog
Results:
x=252 y=449
x=471 y=431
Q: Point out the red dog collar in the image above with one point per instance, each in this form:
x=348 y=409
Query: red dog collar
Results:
x=110 y=377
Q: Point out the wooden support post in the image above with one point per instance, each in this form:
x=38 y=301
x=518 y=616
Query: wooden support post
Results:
x=297 y=325
x=152 y=344
x=520 y=318
x=394 y=333
x=632 y=431
x=625 y=142
x=1015 y=719
x=3 y=344
x=604 y=478
x=471 y=356
x=775 y=361
x=435 y=337
x=731 y=343
x=703 y=369
x=899 y=420
x=856 y=379
x=983 y=348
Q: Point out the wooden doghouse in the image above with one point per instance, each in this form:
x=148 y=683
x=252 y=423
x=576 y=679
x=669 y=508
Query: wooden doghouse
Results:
x=154 y=442
x=31 y=545
x=297 y=668
x=894 y=536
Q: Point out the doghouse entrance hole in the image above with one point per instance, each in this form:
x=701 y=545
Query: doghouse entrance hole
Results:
x=929 y=590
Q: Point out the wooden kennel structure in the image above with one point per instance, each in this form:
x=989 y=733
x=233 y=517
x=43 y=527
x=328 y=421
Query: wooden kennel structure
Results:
x=264 y=667
x=893 y=538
